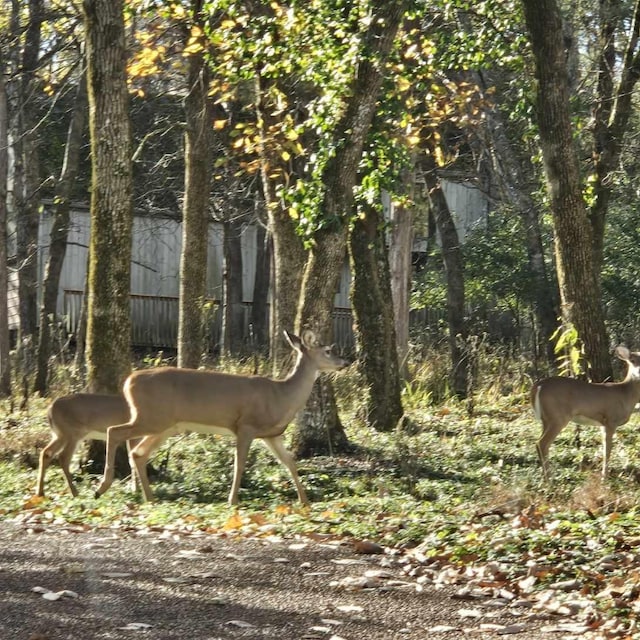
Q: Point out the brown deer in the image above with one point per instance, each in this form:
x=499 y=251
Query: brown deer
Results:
x=165 y=401
x=557 y=401
x=77 y=417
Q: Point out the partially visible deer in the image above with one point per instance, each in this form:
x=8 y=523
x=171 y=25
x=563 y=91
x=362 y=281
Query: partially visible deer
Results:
x=557 y=401
x=77 y=417
x=165 y=401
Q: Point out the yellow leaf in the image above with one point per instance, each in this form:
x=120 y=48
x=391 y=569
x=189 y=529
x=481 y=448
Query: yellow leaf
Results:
x=236 y=521
x=219 y=124
x=32 y=502
x=228 y=24
x=286 y=156
x=283 y=510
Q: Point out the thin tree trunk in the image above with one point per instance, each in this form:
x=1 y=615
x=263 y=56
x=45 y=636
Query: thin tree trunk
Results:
x=373 y=305
x=259 y=319
x=288 y=250
x=579 y=282
x=109 y=322
x=5 y=363
x=232 y=307
x=59 y=233
x=195 y=220
x=29 y=166
x=400 y=248
x=454 y=271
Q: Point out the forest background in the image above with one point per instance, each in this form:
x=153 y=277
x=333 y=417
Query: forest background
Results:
x=298 y=117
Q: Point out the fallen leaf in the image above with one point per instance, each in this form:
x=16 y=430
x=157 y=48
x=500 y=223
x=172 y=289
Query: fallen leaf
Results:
x=240 y=623
x=136 y=626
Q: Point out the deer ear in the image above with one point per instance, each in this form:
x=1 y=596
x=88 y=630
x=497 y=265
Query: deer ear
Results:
x=293 y=340
x=622 y=352
x=309 y=338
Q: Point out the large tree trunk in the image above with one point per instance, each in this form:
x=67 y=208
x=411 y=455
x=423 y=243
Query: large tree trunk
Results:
x=195 y=221
x=318 y=428
x=59 y=233
x=373 y=305
x=109 y=323
x=232 y=307
x=29 y=167
x=579 y=282
x=454 y=272
x=5 y=364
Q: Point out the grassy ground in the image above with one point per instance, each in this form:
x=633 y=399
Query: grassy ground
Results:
x=466 y=486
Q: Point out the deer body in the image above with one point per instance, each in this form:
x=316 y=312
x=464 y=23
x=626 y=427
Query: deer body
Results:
x=166 y=401
x=557 y=401
x=74 y=418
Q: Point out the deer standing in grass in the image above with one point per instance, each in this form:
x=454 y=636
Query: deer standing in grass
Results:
x=77 y=417
x=165 y=401
x=557 y=401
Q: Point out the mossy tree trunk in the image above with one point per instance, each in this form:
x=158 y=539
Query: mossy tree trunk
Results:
x=195 y=217
x=375 y=329
x=5 y=363
x=108 y=321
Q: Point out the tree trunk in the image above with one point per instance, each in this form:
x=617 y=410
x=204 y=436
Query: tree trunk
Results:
x=259 y=307
x=5 y=363
x=288 y=250
x=579 y=282
x=516 y=189
x=109 y=322
x=373 y=305
x=232 y=307
x=195 y=220
x=59 y=233
x=400 y=248
x=454 y=272
x=29 y=165
x=318 y=428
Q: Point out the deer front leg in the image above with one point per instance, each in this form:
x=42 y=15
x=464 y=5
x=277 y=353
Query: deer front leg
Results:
x=65 y=457
x=139 y=455
x=116 y=435
x=243 y=443
x=607 y=444
x=550 y=431
x=276 y=445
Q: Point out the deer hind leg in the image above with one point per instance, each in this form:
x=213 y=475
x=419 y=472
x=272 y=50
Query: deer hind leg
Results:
x=140 y=451
x=64 y=458
x=55 y=446
x=550 y=431
x=116 y=435
x=276 y=445
x=132 y=444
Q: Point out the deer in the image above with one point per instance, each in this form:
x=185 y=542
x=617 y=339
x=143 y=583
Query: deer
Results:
x=557 y=401
x=165 y=401
x=74 y=418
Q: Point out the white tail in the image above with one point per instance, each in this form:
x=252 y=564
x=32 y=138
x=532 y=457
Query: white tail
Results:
x=557 y=401
x=74 y=418
x=166 y=401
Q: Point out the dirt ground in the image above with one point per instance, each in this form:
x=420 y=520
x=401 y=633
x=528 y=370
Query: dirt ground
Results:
x=164 y=586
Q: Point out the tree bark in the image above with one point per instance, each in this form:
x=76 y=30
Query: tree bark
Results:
x=579 y=282
x=318 y=428
x=29 y=165
x=259 y=307
x=195 y=220
x=454 y=272
x=288 y=250
x=516 y=189
x=374 y=306
x=232 y=307
x=58 y=237
x=5 y=363
x=109 y=323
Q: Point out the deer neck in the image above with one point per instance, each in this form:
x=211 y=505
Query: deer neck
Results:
x=299 y=382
